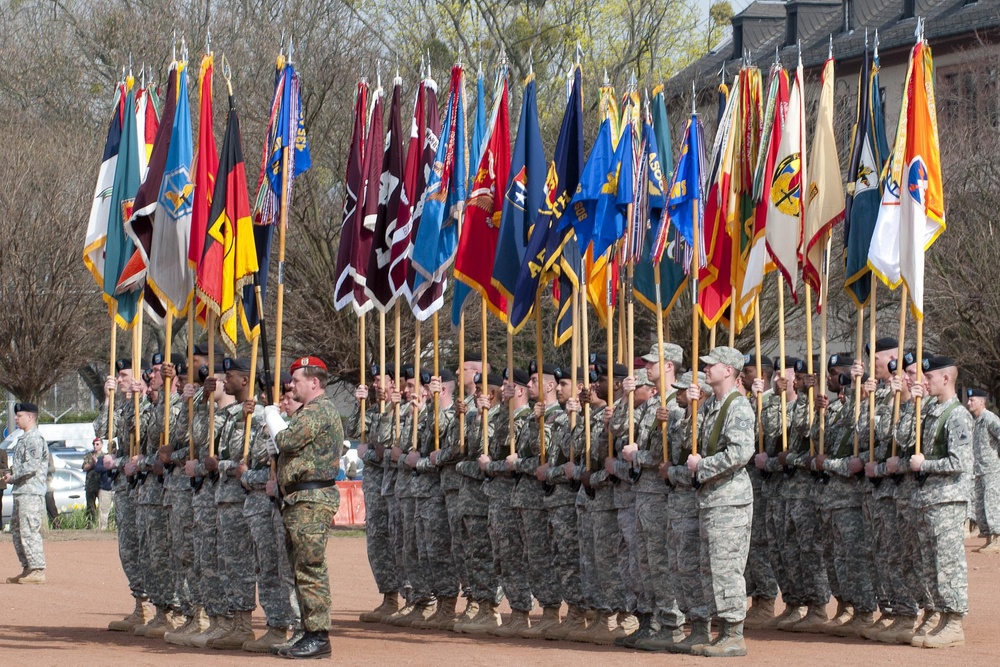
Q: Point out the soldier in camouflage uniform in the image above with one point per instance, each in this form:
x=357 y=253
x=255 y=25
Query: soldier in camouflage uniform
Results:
x=848 y=543
x=436 y=561
x=309 y=456
x=724 y=495
x=29 y=467
x=503 y=518
x=986 y=446
x=529 y=497
x=379 y=426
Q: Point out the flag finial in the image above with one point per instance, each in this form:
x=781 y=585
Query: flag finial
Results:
x=208 y=41
x=829 y=55
x=694 y=99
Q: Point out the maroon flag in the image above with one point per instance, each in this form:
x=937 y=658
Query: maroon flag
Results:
x=354 y=183
x=378 y=283
x=361 y=251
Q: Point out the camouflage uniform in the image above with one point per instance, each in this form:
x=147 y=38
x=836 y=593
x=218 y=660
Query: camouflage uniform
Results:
x=772 y=489
x=560 y=505
x=178 y=497
x=390 y=470
x=986 y=440
x=725 y=503
x=528 y=499
x=275 y=584
x=433 y=529
x=684 y=546
x=942 y=495
x=403 y=490
x=637 y=600
x=381 y=558
x=209 y=590
x=760 y=575
x=652 y=504
x=451 y=485
x=29 y=468
x=309 y=451
x=503 y=518
x=479 y=560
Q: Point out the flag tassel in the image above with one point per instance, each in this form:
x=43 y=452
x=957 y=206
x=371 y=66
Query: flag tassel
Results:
x=253 y=380
x=611 y=358
x=398 y=359
x=167 y=383
x=137 y=354
x=539 y=364
x=510 y=378
x=585 y=356
x=381 y=359
x=415 y=414
x=485 y=387
x=824 y=291
x=437 y=394
x=191 y=372
x=810 y=390
x=871 y=374
x=695 y=324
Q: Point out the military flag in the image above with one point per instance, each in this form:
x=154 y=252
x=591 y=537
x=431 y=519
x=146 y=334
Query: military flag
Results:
x=230 y=257
x=354 y=192
x=433 y=297
x=475 y=154
x=372 y=169
x=480 y=230
x=147 y=124
x=869 y=149
x=685 y=196
x=783 y=230
x=206 y=166
x=100 y=208
x=401 y=233
x=740 y=217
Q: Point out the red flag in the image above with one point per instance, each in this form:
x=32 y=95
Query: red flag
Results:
x=413 y=186
x=206 y=165
x=354 y=183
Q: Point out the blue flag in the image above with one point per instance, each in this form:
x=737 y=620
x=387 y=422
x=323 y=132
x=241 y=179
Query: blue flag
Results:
x=616 y=194
x=588 y=194
x=684 y=198
x=475 y=153
x=552 y=253
x=524 y=195
x=437 y=237
x=290 y=131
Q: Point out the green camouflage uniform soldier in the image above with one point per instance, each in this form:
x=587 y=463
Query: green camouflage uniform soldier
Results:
x=29 y=467
x=309 y=456
x=986 y=446
x=724 y=495
x=503 y=518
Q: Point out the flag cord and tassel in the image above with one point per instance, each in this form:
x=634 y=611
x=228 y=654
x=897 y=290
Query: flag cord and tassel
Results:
x=917 y=417
x=247 y=427
x=415 y=413
x=461 y=382
x=167 y=382
x=437 y=394
x=361 y=345
x=858 y=350
x=192 y=373
x=824 y=292
x=510 y=378
x=381 y=361
x=398 y=360
x=137 y=354
x=695 y=324
x=585 y=357
x=810 y=389
x=611 y=359
x=485 y=416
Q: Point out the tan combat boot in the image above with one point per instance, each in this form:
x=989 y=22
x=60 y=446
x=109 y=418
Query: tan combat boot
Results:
x=931 y=621
x=443 y=617
x=602 y=631
x=33 y=577
x=159 y=619
x=814 y=621
x=142 y=613
x=949 y=633
x=218 y=626
x=627 y=624
x=992 y=545
x=700 y=636
x=395 y=616
x=760 y=615
x=906 y=627
x=421 y=611
x=843 y=615
x=486 y=621
x=517 y=623
x=272 y=637
x=873 y=631
x=472 y=610
x=390 y=605
x=549 y=619
x=199 y=624
x=861 y=621
x=662 y=640
x=792 y=615
x=576 y=619
x=240 y=634
x=18 y=577
x=728 y=644
x=173 y=620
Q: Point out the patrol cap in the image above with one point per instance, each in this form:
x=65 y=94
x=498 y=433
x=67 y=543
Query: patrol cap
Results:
x=685 y=381
x=237 y=365
x=307 y=362
x=882 y=345
x=26 y=407
x=937 y=362
x=729 y=356
x=642 y=379
x=977 y=393
x=521 y=376
x=123 y=365
x=547 y=369
x=751 y=360
x=840 y=360
x=671 y=352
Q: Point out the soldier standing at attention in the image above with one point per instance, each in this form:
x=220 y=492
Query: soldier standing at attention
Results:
x=308 y=458
x=986 y=441
x=28 y=471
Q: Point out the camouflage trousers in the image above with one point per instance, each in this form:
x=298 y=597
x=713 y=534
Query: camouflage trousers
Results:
x=395 y=512
x=479 y=563
x=987 y=503
x=588 y=572
x=652 y=529
x=566 y=552
x=128 y=541
x=433 y=535
x=788 y=584
x=236 y=557
x=606 y=590
x=803 y=550
x=852 y=557
x=275 y=584
x=181 y=525
x=684 y=553
x=209 y=589
x=761 y=581
x=826 y=535
x=154 y=550
x=421 y=587
x=892 y=593
x=307 y=525
x=914 y=589
x=534 y=526
x=945 y=573
x=725 y=545
x=26 y=530
x=636 y=599
x=458 y=565
x=378 y=540
x=509 y=554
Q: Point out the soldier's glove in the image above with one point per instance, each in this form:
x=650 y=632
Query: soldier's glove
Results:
x=273 y=421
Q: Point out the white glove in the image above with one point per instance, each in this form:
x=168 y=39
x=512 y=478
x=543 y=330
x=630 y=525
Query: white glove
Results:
x=271 y=445
x=273 y=421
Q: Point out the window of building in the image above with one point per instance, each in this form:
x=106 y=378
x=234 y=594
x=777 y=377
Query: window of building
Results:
x=909 y=9
x=848 y=7
x=791 y=27
x=737 y=41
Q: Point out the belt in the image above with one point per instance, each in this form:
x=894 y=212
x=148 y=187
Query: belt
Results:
x=307 y=486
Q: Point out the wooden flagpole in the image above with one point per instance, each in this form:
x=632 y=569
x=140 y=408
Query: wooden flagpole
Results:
x=137 y=354
x=416 y=379
x=858 y=351
x=485 y=416
x=695 y=325
x=192 y=373
x=781 y=353
x=282 y=224
x=113 y=355
x=362 y=334
x=899 y=367
x=621 y=324
x=253 y=380
x=662 y=384
x=381 y=359
x=810 y=391
x=539 y=358
x=398 y=360
x=437 y=395
x=211 y=372
x=585 y=357
x=917 y=417
x=630 y=343
x=611 y=362
x=510 y=378
x=167 y=347
x=824 y=292
x=760 y=373
x=871 y=374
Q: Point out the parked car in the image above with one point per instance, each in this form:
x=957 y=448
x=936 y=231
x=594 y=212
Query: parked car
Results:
x=68 y=487
x=70 y=442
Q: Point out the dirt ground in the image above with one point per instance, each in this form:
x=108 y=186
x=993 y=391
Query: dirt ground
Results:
x=64 y=623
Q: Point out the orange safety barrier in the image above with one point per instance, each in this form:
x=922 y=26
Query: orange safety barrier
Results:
x=352 y=505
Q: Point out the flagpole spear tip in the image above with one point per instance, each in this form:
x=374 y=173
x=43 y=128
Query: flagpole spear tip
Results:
x=694 y=99
x=208 y=40
x=578 y=52
x=607 y=81
x=830 y=53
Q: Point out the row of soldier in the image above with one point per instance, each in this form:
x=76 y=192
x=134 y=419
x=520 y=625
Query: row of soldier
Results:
x=200 y=538
x=637 y=544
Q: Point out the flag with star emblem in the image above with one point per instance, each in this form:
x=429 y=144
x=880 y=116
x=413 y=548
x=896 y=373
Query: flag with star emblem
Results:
x=97 y=226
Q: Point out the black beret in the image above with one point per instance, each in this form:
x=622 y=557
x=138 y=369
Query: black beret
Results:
x=910 y=358
x=788 y=362
x=447 y=376
x=882 y=345
x=473 y=356
x=408 y=372
x=800 y=366
x=181 y=368
x=123 y=365
x=157 y=359
x=286 y=378
x=547 y=369
x=26 y=407
x=201 y=349
x=840 y=360
x=425 y=377
x=521 y=376
x=936 y=363
x=177 y=358
x=238 y=365
x=596 y=358
x=390 y=370
x=494 y=380
x=978 y=393
x=751 y=360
